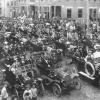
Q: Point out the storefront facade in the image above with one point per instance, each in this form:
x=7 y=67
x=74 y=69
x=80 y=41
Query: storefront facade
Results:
x=72 y=9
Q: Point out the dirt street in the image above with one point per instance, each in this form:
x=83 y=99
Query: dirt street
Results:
x=87 y=92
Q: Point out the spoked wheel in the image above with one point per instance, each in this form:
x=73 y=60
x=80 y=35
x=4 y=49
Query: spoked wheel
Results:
x=77 y=83
x=57 y=90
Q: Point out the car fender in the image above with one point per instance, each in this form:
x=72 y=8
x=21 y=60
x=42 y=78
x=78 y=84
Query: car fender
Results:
x=74 y=75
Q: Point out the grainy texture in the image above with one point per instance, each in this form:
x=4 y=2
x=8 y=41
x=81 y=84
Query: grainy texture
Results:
x=87 y=92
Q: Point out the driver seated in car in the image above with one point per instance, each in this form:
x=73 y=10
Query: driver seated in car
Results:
x=89 y=57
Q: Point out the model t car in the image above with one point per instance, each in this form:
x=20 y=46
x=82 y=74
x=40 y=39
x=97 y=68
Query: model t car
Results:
x=60 y=76
x=89 y=65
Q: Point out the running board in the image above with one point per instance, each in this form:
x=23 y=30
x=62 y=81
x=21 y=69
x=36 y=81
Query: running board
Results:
x=84 y=74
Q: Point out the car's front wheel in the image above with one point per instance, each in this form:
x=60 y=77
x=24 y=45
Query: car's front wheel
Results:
x=56 y=90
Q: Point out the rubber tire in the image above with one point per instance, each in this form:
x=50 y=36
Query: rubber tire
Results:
x=57 y=91
x=92 y=67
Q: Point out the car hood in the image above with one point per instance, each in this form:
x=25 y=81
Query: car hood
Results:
x=66 y=71
x=62 y=72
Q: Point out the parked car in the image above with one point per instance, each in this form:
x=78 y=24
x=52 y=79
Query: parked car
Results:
x=89 y=68
x=60 y=76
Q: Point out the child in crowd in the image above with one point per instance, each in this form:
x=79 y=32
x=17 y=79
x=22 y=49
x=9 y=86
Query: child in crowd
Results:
x=27 y=95
x=4 y=93
x=34 y=92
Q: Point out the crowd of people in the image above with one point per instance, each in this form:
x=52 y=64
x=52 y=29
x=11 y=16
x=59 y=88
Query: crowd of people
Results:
x=20 y=38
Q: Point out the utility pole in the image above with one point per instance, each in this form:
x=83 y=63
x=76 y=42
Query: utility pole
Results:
x=39 y=6
x=4 y=8
x=87 y=4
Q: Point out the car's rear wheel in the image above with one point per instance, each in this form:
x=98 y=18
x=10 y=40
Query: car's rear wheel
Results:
x=57 y=90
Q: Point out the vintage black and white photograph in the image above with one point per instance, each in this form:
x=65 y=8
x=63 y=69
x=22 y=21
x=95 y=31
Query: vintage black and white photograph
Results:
x=49 y=49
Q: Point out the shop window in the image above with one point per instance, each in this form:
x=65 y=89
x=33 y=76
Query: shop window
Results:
x=44 y=12
x=95 y=13
x=0 y=11
x=58 y=11
x=11 y=3
x=80 y=13
x=69 y=13
x=92 y=13
x=8 y=4
x=52 y=11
